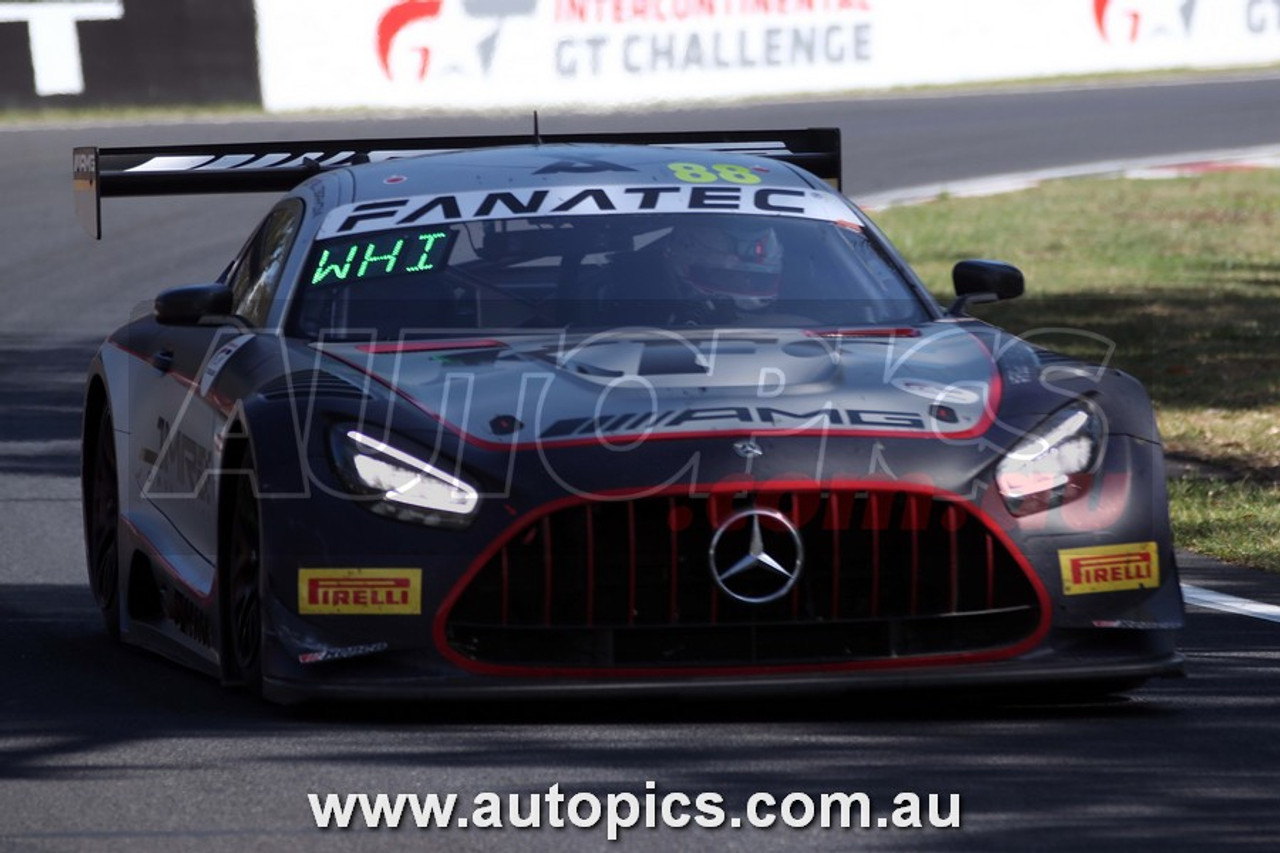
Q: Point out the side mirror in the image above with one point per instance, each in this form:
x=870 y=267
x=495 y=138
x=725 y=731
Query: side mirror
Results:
x=187 y=306
x=984 y=281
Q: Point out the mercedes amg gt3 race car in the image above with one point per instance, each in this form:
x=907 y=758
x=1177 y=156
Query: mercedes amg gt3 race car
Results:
x=655 y=412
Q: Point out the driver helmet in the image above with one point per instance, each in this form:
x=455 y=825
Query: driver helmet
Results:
x=728 y=260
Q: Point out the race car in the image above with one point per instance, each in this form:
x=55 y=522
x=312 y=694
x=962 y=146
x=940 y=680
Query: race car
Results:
x=604 y=414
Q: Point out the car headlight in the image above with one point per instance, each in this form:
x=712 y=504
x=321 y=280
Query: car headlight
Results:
x=400 y=484
x=1054 y=464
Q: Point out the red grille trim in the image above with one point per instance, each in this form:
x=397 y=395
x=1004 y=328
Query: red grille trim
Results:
x=878 y=491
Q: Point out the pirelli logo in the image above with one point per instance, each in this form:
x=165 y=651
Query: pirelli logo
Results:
x=360 y=591
x=1110 y=568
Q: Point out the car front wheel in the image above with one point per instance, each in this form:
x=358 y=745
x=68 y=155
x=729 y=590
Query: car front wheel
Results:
x=102 y=523
x=244 y=585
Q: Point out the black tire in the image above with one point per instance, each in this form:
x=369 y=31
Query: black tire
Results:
x=102 y=522
x=243 y=608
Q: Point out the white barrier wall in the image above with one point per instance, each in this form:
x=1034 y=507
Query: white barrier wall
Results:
x=485 y=54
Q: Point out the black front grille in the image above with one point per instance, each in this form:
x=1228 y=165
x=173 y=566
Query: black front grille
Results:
x=629 y=585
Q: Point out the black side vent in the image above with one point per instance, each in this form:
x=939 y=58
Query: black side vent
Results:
x=1048 y=358
x=311 y=384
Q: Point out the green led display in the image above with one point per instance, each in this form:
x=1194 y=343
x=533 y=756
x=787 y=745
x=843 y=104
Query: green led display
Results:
x=342 y=261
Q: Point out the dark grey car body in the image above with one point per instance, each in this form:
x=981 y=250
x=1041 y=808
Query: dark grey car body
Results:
x=439 y=429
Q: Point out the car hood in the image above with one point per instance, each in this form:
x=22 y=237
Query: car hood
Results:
x=936 y=379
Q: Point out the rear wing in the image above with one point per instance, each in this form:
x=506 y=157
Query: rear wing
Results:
x=280 y=166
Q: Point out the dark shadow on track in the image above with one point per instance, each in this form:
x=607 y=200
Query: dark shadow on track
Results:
x=1184 y=762
x=41 y=386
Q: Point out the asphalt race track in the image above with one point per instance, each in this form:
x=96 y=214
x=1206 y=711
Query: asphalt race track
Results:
x=107 y=748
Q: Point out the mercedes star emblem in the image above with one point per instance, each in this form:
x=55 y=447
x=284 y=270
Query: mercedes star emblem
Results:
x=747 y=449
x=744 y=567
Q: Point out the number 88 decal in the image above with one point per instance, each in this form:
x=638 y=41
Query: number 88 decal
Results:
x=695 y=173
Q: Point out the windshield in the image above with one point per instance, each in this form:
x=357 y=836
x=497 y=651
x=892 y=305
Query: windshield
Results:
x=601 y=272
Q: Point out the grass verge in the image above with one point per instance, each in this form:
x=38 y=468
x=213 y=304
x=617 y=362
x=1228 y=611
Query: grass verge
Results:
x=1176 y=281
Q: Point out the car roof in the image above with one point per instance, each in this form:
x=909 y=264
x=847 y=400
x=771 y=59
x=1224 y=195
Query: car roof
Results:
x=532 y=166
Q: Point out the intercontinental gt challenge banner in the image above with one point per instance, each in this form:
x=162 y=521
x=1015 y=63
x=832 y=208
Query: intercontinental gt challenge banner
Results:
x=526 y=54
x=530 y=53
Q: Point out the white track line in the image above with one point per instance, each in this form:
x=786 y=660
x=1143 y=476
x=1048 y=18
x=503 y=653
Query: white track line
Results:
x=1202 y=597
x=1259 y=155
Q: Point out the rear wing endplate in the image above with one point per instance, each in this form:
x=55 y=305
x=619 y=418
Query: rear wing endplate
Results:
x=280 y=166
